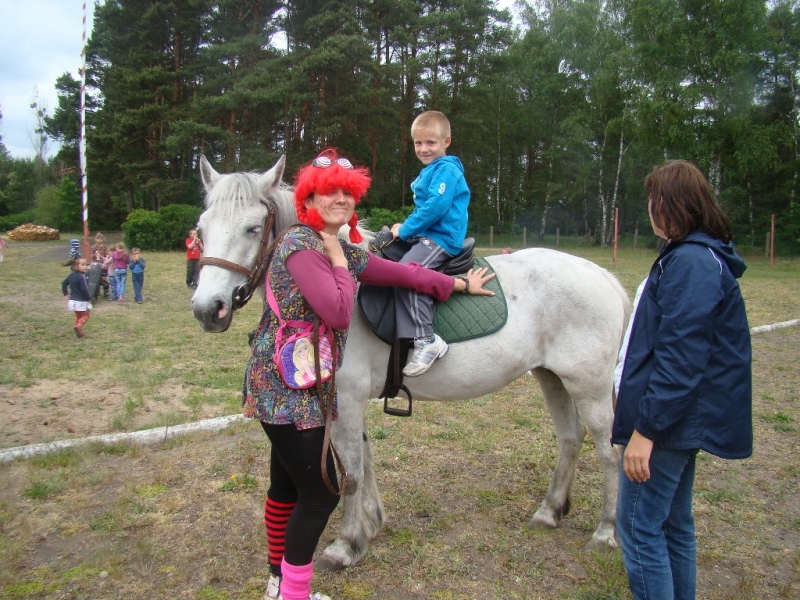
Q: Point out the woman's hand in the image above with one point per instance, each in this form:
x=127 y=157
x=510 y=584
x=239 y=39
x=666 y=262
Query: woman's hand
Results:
x=476 y=278
x=636 y=458
x=333 y=249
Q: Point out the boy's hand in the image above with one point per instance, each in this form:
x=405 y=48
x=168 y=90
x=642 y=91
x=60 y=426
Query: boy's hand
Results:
x=396 y=230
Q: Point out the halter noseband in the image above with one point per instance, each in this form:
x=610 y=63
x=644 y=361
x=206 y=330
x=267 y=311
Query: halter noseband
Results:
x=254 y=275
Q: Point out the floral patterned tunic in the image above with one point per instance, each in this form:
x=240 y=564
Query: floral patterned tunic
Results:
x=265 y=395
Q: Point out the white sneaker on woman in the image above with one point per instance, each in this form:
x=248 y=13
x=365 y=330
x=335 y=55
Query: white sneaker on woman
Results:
x=273 y=588
x=274 y=591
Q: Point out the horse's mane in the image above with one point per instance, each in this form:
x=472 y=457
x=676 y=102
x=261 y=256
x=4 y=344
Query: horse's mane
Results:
x=235 y=192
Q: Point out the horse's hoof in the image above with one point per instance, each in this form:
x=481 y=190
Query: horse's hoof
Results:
x=543 y=520
x=324 y=564
x=601 y=545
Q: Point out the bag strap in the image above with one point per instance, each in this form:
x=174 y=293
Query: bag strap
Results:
x=326 y=406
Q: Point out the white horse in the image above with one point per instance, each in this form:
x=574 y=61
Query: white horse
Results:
x=566 y=319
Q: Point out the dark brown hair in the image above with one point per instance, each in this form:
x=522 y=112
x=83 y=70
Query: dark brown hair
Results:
x=681 y=201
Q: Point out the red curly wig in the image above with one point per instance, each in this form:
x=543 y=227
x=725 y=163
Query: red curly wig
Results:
x=324 y=180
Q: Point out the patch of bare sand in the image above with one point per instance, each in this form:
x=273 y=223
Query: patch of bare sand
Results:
x=59 y=409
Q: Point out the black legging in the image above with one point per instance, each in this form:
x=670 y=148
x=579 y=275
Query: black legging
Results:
x=295 y=476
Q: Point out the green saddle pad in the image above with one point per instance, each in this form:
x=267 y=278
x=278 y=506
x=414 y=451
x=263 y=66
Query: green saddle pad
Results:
x=464 y=317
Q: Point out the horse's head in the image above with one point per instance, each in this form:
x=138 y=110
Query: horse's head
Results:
x=232 y=228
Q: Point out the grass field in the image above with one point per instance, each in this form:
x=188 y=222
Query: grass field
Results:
x=183 y=519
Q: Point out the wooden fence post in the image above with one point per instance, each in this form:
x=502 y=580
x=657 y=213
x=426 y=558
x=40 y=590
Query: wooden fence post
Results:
x=491 y=236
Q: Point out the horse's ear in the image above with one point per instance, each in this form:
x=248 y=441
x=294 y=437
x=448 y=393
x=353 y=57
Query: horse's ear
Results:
x=270 y=180
x=207 y=173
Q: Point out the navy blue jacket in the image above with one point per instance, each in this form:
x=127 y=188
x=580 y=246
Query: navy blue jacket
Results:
x=687 y=378
x=78 y=288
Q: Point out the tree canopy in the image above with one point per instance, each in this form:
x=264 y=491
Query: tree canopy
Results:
x=557 y=118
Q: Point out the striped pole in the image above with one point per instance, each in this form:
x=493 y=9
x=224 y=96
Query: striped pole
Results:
x=82 y=145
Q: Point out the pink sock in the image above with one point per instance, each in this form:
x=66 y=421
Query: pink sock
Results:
x=296 y=581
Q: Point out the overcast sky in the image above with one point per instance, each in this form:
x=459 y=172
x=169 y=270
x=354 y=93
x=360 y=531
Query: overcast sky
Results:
x=39 y=41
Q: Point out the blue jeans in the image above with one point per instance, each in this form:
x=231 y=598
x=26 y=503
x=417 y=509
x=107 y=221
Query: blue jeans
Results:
x=138 y=281
x=655 y=528
x=120 y=280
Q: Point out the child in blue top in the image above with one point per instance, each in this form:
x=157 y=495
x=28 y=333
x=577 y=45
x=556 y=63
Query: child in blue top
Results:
x=685 y=385
x=137 y=265
x=436 y=229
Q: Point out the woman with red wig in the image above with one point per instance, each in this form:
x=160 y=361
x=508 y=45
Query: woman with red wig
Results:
x=314 y=273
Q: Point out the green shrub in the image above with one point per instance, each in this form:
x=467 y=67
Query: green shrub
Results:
x=142 y=229
x=10 y=222
x=48 y=209
x=378 y=217
x=164 y=230
x=177 y=220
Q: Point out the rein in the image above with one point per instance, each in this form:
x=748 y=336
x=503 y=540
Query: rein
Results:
x=254 y=275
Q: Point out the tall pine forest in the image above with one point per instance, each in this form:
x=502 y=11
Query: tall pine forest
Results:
x=558 y=113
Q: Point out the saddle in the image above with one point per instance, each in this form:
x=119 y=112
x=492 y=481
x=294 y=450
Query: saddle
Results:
x=462 y=317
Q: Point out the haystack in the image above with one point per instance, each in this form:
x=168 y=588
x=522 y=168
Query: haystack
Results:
x=33 y=233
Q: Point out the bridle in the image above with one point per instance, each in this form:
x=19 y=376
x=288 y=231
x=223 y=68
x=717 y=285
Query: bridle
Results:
x=255 y=274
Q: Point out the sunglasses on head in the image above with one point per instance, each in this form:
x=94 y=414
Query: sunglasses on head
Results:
x=323 y=162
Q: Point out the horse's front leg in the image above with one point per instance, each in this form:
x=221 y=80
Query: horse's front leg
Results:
x=362 y=508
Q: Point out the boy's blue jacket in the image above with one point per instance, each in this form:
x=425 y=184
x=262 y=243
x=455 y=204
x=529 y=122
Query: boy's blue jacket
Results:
x=137 y=267
x=441 y=197
x=687 y=379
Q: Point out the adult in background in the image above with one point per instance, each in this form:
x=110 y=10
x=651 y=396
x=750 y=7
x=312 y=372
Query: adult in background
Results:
x=686 y=382
x=313 y=272
x=194 y=250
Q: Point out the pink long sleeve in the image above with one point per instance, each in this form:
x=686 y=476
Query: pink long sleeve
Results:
x=330 y=291
x=413 y=276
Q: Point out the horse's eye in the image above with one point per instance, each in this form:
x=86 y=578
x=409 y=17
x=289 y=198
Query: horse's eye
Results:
x=254 y=230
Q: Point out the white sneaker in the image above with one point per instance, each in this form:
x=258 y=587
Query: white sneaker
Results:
x=424 y=355
x=273 y=588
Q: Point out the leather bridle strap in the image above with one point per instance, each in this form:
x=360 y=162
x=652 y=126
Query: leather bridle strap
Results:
x=326 y=408
x=255 y=274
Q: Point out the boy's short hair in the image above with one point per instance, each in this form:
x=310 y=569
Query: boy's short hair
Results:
x=135 y=250
x=432 y=119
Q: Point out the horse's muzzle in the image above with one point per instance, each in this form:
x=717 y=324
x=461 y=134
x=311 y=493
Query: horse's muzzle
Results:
x=214 y=314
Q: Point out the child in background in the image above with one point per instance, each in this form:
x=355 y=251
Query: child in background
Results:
x=3 y=244
x=436 y=228
x=137 y=265
x=194 y=250
x=76 y=290
x=107 y=276
x=74 y=248
x=99 y=249
x=120 y=260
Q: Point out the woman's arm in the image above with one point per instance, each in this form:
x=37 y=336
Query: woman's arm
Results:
x=330 y=290
x=380 y=271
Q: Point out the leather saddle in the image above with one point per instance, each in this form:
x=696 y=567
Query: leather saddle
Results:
x=376 y=304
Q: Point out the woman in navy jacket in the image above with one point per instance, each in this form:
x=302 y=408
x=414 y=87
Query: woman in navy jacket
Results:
x=686 y=382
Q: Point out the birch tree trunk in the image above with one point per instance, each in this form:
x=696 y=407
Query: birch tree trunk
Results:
x=616 y=178
x=601 y=200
